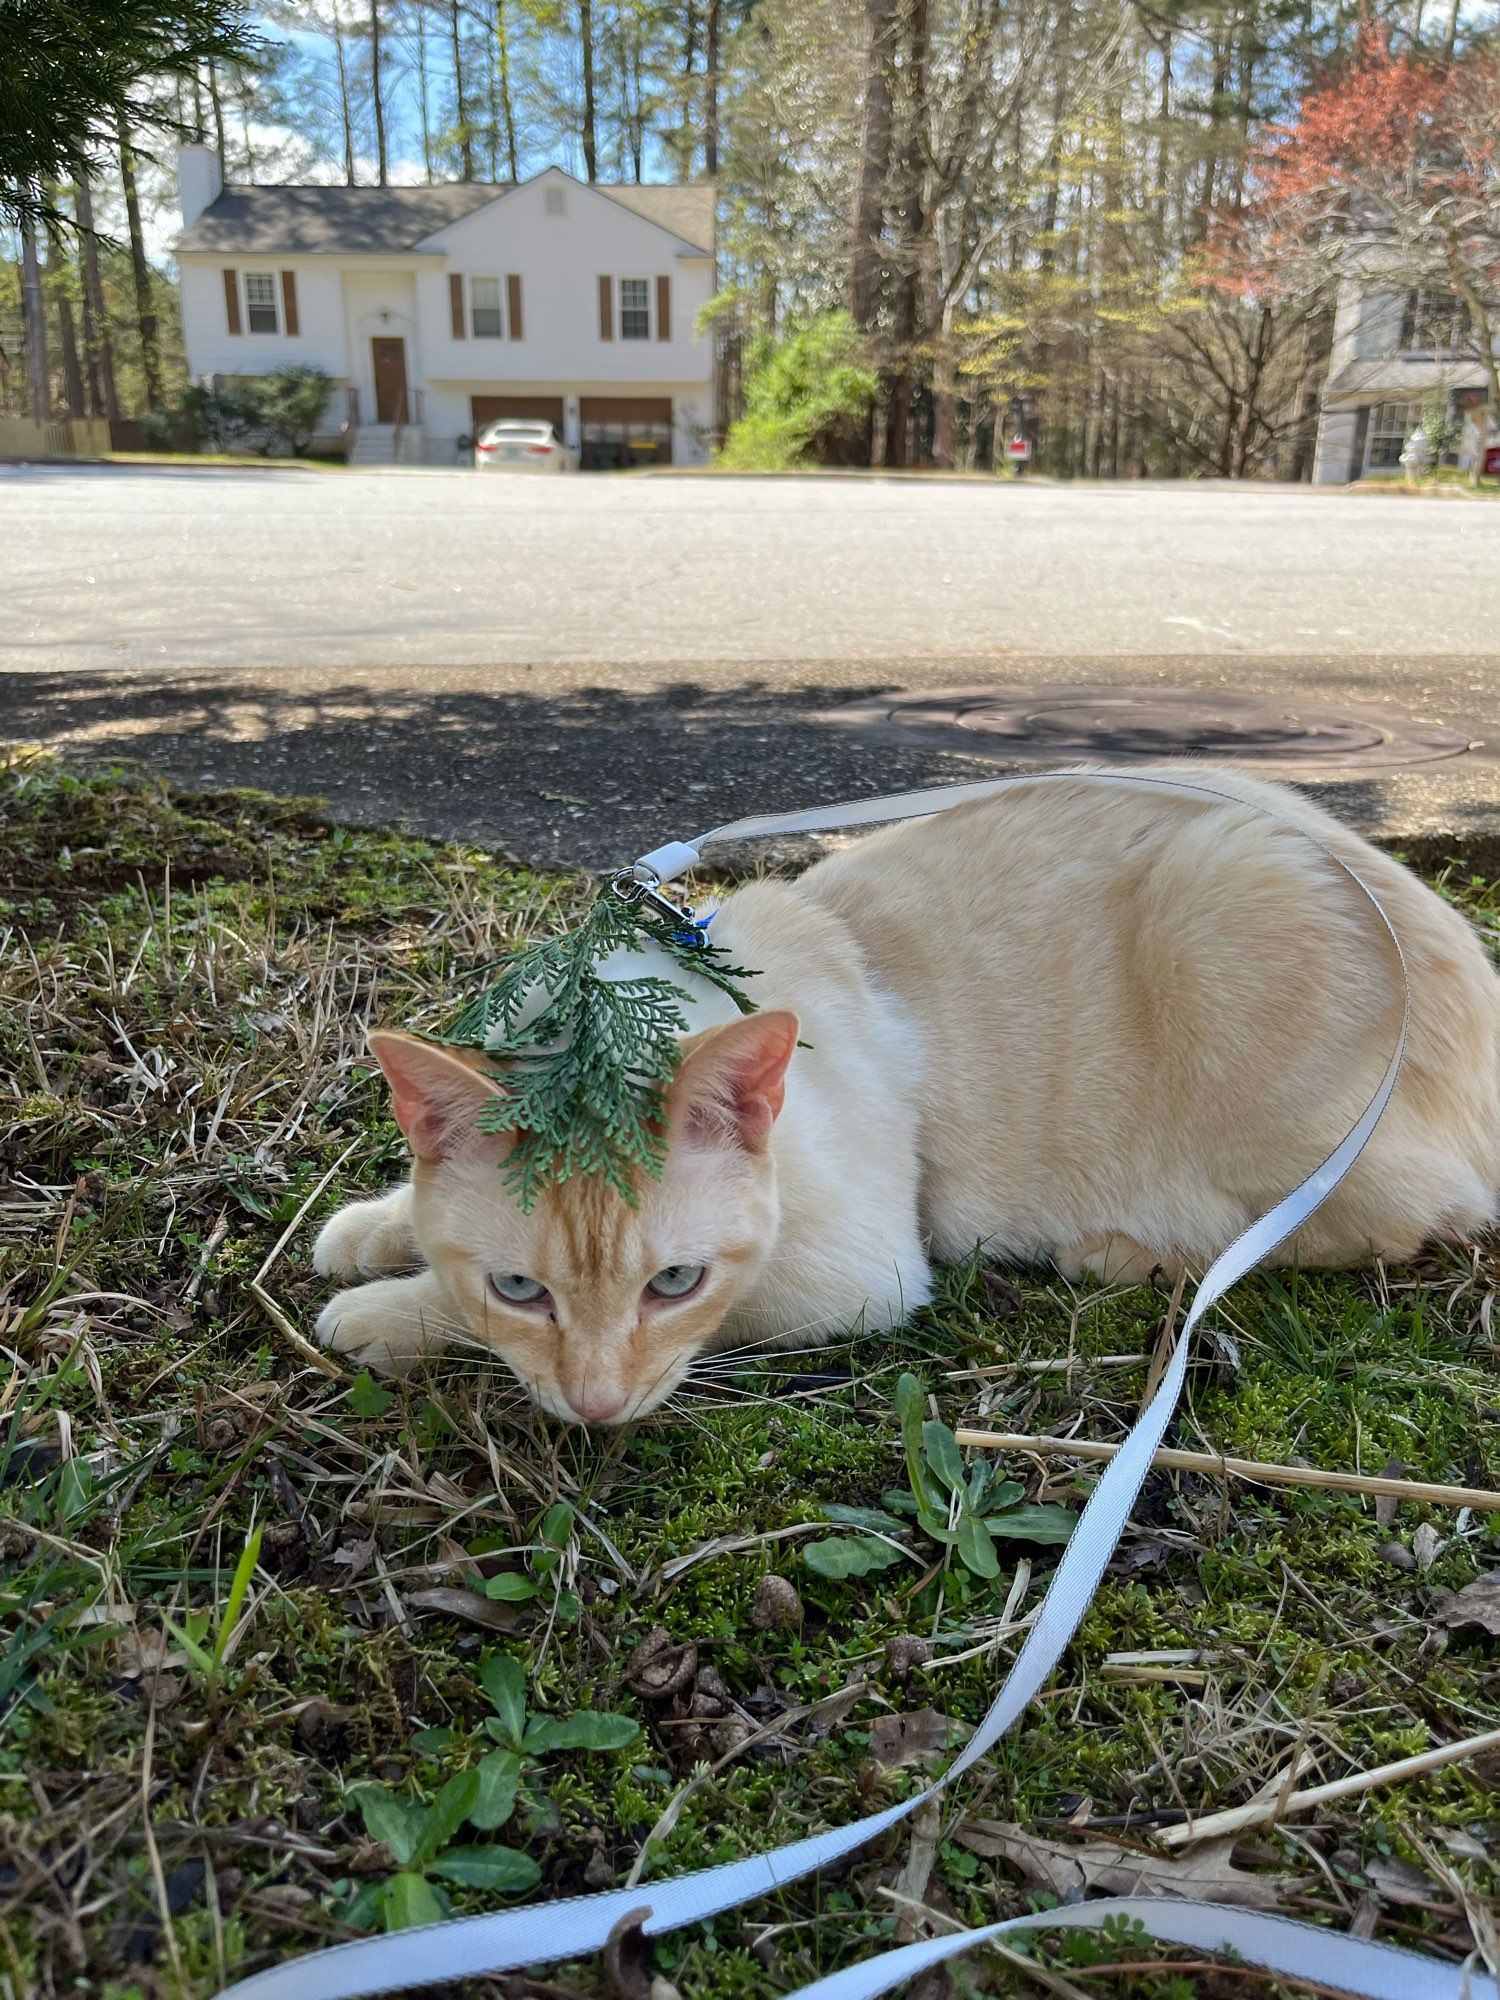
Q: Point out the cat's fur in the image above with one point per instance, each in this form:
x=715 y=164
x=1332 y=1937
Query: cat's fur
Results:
x=1092 y=1025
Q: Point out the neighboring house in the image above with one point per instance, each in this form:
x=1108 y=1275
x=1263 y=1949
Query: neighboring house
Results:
x=1396 y=353
x=438 y=309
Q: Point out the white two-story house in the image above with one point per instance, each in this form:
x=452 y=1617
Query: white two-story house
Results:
x=1396 y=353
x=437 y=309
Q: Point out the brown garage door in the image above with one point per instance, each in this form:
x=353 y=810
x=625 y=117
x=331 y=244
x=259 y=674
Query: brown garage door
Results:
x=618 y=431
x=490 y=409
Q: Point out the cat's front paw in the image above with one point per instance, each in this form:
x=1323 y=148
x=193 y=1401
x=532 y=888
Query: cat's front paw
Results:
x=368 y=1239
x=384 y=1326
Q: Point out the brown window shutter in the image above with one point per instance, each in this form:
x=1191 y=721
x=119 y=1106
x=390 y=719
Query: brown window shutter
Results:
x=513 y=317
x=232 y=300
x=606 y=308
x=664 y=308
x=456 y=304
x=289 y=302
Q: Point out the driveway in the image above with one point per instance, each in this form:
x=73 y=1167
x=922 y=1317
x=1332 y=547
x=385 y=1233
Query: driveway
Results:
x=576 y=667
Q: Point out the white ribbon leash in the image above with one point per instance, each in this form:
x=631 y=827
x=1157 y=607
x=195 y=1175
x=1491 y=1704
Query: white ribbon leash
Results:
x=509 y=1940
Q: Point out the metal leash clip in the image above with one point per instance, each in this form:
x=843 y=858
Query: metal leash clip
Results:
x=640 y=884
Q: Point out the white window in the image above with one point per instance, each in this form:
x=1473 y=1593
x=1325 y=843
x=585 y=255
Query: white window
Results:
x=260 y=302
x=1433 y=322
x=484 y=308
x=635 y=309
x=1391 y=424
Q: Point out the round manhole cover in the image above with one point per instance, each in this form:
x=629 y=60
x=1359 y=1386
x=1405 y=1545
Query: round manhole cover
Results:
x=1136 y=725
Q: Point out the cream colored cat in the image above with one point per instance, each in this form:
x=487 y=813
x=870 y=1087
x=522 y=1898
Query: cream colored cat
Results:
x=1102 y=1027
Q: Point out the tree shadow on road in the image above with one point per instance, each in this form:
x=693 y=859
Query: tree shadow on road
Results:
x=582 y=776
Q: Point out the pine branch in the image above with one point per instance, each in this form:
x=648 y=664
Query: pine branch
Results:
x=586 y=1077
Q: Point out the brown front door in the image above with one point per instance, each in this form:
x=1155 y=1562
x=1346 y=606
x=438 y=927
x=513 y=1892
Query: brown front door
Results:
x=390 y=381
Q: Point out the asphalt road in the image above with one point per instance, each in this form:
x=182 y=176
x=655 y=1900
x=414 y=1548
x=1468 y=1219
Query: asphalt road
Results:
x=573 y=668
x=165 y=567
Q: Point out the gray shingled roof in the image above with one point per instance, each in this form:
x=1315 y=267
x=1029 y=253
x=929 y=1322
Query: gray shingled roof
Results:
x=687 y=210
x=315 y=221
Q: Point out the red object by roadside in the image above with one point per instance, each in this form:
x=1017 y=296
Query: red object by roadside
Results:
x=1492 y=461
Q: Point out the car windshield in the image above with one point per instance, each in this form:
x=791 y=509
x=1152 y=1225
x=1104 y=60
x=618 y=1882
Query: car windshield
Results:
x=518 y=433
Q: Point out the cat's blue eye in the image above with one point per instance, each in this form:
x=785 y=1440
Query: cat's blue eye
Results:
x=516 y=1289
x=676 y=1281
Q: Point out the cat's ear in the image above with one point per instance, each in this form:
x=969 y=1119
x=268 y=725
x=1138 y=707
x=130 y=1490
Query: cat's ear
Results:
x=436 y=1092
x=732 y=1081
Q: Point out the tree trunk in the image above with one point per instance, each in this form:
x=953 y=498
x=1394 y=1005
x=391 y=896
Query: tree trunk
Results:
x=101 y=361
x=944 y=393
x=245 y=136
x=58 y=275
x=34 y=320
x=492 y=108
x=1164 y=119
x=915 y=222
x=465 y=135
x=424 y=90
x=638 y=109
x=712 y=22
x=342 y=66
x=216 y=100
x=145 y=311
x=586 y=37
x=382 y=164
x=867 y=213
x=507 y=104
x=687 y=141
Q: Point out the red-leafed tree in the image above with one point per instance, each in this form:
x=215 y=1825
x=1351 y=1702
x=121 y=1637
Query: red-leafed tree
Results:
x=1390 y=173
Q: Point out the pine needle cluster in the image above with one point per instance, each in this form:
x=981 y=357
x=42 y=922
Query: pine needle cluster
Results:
x=586 y=1075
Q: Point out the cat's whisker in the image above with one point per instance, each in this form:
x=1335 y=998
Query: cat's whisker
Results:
x=685 y=1415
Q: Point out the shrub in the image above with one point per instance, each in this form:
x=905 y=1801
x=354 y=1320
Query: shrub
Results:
x=287 y=407
x=807 y=400
x=221 y=418
x=279 y=412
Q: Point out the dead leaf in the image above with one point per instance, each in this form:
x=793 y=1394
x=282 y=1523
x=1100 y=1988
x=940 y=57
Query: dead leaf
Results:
x=627 y=1957
x=468 y=1605
x=356 y=1557
x=906 y=1739
x=1066 y=1870
x=660 y=1667
x=1399 y=1881
x=1478 y=1603
x=1426 y=1546
x=317 y=1718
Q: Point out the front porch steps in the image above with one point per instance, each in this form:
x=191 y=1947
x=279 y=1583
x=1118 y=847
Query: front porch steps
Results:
x=376 y=444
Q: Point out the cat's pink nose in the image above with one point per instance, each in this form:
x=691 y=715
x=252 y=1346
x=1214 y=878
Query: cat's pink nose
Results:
x=598 y=1406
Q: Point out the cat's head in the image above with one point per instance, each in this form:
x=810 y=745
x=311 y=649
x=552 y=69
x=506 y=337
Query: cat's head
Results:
x=596 y=1305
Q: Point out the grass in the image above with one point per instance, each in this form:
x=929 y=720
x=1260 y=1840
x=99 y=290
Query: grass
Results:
x=254 y=459
x=1446 y=482
x=234 y=1694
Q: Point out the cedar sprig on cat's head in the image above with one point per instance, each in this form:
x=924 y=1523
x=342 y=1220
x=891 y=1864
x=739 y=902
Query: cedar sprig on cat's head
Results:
x=586 y=1071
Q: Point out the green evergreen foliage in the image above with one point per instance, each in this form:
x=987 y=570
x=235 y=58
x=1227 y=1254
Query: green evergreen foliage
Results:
x=807 y=399
x=586 y=1076
x=287 y=406
x=73 y=67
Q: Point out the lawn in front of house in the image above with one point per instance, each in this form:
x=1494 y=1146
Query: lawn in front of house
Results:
x=285 y=1654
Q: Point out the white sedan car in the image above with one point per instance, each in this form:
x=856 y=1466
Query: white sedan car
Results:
x=522 y=444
